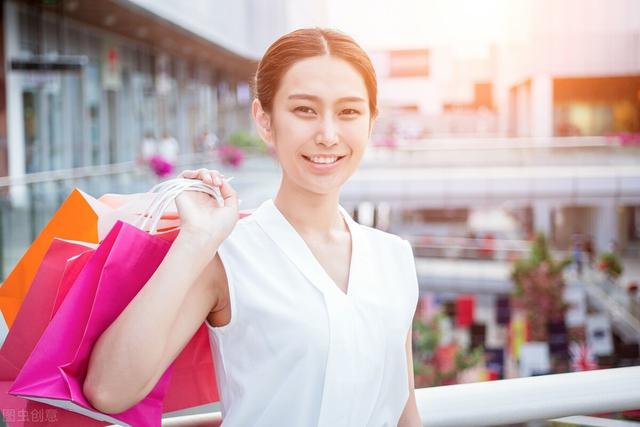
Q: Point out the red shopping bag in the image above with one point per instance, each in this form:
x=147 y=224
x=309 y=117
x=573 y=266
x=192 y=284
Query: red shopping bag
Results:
x=55 y=370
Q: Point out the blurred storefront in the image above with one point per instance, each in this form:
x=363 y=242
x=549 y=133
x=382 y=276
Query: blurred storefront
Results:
x=86 y=81
x=596 y=106
x=571 y=69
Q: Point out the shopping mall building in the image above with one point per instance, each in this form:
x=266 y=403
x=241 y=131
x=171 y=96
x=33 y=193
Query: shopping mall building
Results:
x=85 y=81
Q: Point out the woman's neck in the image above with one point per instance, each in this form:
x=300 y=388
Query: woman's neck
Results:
x=311 y=214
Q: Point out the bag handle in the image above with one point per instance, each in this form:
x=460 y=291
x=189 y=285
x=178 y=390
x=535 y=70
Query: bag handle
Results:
x=167 y=191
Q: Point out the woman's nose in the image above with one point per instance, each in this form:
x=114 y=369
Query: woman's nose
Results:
x=328 y=133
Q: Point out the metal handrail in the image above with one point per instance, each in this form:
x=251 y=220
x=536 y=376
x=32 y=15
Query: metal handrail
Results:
x=493 y=143
x=97 y=170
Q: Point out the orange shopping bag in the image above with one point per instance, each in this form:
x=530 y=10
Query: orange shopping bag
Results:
x=80 y=217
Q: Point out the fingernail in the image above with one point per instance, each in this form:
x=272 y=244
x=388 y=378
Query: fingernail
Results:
x=218 y=181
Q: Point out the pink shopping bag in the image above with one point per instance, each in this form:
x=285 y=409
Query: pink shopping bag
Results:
x=55 y=370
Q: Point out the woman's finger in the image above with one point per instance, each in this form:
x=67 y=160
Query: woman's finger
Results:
x=183 y=174
x=229 y=194
x=203 y=175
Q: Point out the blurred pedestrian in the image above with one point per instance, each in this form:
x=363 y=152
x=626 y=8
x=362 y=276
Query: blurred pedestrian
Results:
x=210 y=141
x=634 y=299
x=590 y=250
x=577 y=252
x=148 y=148
x=165 y=156
x=168 y=148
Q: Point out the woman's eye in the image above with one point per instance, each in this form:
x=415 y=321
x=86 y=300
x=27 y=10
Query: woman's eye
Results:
x=351 y=112
x=304 y=110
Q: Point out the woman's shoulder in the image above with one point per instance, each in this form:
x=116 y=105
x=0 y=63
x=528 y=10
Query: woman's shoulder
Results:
x=384 y=238
x=390 y=246
x=243 y=236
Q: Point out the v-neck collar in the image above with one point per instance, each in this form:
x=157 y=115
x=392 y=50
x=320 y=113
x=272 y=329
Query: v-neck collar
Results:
x=280 y=230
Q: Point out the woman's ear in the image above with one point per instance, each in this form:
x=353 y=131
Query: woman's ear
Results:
x=372 y=121
x=262 y=121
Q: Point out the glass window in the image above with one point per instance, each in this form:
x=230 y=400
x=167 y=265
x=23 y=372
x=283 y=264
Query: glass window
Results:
x=92 y=105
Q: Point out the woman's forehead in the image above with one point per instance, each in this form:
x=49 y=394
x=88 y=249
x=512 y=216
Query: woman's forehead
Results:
x=324 y=77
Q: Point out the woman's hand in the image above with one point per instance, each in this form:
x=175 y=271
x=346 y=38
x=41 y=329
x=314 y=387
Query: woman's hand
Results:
x=199 y=212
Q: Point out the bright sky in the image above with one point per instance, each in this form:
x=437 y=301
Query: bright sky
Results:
x=468 y=26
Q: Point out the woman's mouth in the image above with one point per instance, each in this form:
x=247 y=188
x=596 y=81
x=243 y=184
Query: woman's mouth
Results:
x=323 y=163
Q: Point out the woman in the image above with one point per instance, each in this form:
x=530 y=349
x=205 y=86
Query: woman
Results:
x=310 y=312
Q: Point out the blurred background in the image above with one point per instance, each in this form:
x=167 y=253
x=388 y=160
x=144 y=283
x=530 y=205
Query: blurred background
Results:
x=507 y=150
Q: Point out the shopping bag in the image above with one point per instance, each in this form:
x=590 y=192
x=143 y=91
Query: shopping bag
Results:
x=55 y=370
x=80 y=217
x=74 y=220
x=190 y=384
x=118 y=269
x=193 y=380
x=19 y=412
x=59 y=268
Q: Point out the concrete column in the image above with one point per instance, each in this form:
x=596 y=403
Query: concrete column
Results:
x=542 y=218
x=542 y=106
x=606 y=226
x=523 y=111
x=15 y=119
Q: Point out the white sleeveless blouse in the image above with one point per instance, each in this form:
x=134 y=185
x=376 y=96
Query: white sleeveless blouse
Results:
x=298 y=351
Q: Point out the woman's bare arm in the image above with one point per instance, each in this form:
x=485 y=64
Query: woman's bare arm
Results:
x=410 y=416
x=131 y=355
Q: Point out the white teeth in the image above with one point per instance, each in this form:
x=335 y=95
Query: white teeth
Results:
x=323 y=160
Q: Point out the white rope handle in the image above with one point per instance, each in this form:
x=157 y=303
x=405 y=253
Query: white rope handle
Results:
x=161 y=190
x=167 y=195
x=174 y=190
x=167 y=191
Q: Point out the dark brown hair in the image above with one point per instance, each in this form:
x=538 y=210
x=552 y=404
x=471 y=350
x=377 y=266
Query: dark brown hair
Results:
x=305 y=43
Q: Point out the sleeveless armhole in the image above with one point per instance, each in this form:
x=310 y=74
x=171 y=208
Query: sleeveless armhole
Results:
x=414 y=287
x=225 y=258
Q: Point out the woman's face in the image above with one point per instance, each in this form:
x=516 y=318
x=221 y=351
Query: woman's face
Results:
x=320 y=111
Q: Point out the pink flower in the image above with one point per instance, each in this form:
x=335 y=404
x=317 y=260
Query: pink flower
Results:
x=231 y=155
x=161 y=166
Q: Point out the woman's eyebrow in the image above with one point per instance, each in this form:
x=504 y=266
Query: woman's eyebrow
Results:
x=317 y=99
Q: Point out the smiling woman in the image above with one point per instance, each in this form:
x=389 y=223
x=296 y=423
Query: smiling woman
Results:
x=309 y=312
x=318 y=122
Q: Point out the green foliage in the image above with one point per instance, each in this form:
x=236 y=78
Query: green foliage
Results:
x=427 y=336
x=247 y=141
x=610 y=264
x=539 y=286
x=465 y=361
x=426 y=341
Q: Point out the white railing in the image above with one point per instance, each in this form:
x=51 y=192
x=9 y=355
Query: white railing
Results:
x=517 y=400
x=520 y=400
x=507 y=143
x=185 y=160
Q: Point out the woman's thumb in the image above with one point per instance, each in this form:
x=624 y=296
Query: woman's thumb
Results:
x=228 y=194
